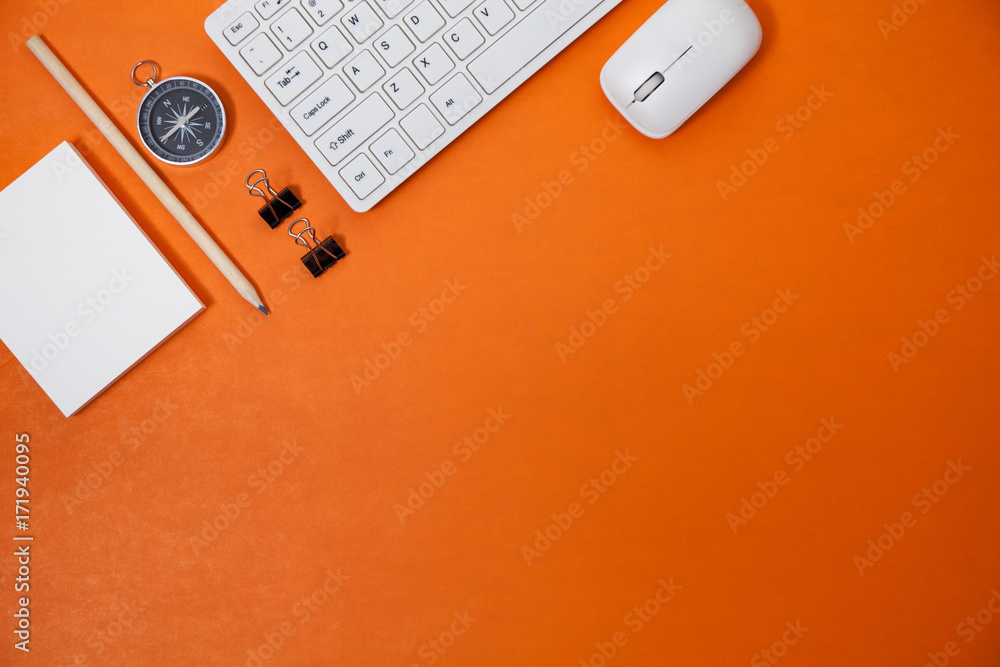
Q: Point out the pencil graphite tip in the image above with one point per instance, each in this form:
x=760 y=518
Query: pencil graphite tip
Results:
x=263 y=310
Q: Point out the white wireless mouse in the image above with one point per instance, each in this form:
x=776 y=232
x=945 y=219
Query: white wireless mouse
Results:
x=685 y=53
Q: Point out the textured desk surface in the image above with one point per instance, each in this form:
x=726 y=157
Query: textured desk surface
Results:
x=572 y=391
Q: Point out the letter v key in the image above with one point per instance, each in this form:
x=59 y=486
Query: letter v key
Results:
x=494 y=15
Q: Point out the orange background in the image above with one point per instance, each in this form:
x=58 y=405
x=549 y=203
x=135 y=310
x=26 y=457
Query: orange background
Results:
x=117 y=580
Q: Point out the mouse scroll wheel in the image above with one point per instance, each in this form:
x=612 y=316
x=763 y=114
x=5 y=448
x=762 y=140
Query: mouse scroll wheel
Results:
x=647 y=88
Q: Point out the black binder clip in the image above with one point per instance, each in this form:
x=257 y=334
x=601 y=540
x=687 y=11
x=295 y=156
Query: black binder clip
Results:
x=321 y=256
x=279 y=205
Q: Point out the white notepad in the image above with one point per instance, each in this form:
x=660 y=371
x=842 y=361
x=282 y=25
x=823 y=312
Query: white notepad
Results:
x=84 y=295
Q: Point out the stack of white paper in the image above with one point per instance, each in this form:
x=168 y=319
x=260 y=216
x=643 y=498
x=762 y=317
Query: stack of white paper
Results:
x=84 y=295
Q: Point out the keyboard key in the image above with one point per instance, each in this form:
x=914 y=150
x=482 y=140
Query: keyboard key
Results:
x=394 y=46
x=261 y=54
x=392 y=8
x=433 y=64
x=454 y=7
x=494 y=15
x=424 y=21
x=372 y=99
x=456 y=98
x=322 y=10
x=362 y=176
x=422 y=126
x=403 y=88
x=364 y=70
x=354 y=129
x=322 y=104
x=331 y=46
x=362 y=22
x=291 y=29
x=463 y=39
x=391 y=151
x=292 y=79
x=522 y=43
x=241 y=28
x=268 y=8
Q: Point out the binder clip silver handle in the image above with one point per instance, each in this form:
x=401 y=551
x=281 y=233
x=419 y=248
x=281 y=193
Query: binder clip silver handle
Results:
x=278 y=206
x=321 y=255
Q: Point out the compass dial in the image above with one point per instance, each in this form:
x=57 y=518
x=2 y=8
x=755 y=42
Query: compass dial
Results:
x=181 y=120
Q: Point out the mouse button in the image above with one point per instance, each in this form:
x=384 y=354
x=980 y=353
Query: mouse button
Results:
x=615 y=82
x=704 y=71
x=675 y=99
x=626 y=71
x=656 y=119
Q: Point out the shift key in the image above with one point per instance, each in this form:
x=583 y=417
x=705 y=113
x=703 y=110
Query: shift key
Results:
x=354 y=129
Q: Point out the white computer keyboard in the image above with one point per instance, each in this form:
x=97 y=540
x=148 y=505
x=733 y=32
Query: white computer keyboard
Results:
x=372 y=89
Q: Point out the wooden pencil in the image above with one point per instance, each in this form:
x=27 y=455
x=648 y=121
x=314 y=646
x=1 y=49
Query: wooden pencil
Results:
x=144 y=171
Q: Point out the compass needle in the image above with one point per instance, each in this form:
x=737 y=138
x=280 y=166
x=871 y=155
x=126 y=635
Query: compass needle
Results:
x=180 y=120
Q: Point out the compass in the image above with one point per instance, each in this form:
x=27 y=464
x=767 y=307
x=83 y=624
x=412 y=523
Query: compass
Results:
x=180 y=120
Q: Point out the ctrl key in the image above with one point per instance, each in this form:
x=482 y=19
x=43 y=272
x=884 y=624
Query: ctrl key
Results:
x=362 y=176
